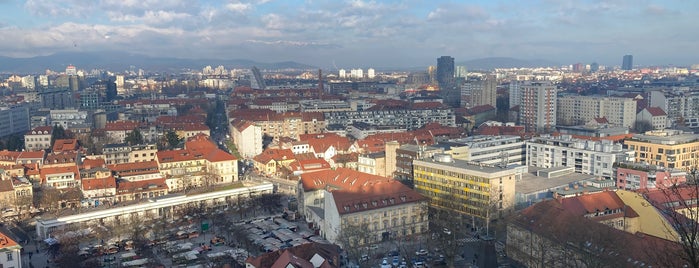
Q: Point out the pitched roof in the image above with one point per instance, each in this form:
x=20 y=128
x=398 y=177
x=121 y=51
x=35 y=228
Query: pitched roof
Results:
x=7 y=242
x=45 y=171
x=41 y=130
x=9 y=156
x=601 y=120
x=341 y=178
x=322 y=142
x=61 y=157
x=305 y=252
x=655 y=111
x=279 y=154
x=374 y=196
x=200 y=142
x=95 y=162
x=32 y=155
x=98 y=184
x=308 y=165
x=135 y=168
x=591 y=203
x=65 y=145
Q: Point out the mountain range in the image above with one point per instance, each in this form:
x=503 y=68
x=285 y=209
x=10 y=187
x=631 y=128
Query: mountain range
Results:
x=120 y=61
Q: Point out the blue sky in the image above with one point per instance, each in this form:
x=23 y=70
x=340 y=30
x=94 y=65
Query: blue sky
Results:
x=358 y=33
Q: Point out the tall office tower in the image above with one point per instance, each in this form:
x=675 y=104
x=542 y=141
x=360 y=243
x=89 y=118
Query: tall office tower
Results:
x=537 y=111
x=627 y=63
x=258 y=81
x=461 y=72
x=445 y=78
x=594 y=67
x=342 y=73
x=119 y=80
x=110 y=90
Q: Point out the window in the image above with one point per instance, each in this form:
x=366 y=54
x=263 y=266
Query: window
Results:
x=9 y=256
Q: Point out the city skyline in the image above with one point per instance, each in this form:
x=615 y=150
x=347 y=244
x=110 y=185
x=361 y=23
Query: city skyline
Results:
x=357 y=33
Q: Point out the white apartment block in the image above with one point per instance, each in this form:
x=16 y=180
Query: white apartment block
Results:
x=680 y=104
x=587 y=157
x=577 y=110
x=479 y=92
x=492 y=150
x=247 y=138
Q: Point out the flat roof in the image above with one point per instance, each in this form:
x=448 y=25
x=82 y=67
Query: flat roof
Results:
x=531 y=183
x=483 y=169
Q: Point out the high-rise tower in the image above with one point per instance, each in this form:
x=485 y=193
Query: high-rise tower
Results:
x=627 y=63
x=445 y=78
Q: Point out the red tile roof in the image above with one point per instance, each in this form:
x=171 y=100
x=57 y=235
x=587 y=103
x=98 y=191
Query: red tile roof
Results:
x=91 y=163
x=98 y=184
x=309 y=165
x=304 y=251
x=32 y=155
x=40 y=130
x=601 y=120
x=6 y=186
x=241 y=125
x=55 y=170
x=322 y=142
x=200 y=142
x=122 y=125
x=65 y=145
x=341 y=178
x=371 y=145
x=9 y=156
x=61 y=158
x=374 y=196
x=287 y=259
x=135 y=168
x=592 y=203
x=279 y=154
x=9 y=243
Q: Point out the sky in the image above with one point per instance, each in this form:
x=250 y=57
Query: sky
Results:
x=358 y=33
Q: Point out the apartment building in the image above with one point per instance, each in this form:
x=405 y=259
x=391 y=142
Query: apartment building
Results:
x=247 y=138
x=654 y=116
x=640 y=176
x=405 y=118
x=681 y=105
x=381 y=211
x=665 y=148
x=492 y=150
x=14 y=119
x=39 y=138
x=475 y=190
x=586 y=156
x=578 y=110
x=538 y=106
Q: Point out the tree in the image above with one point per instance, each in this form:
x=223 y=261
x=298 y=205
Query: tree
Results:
x=352 y=237
x=134 y=137
x=172 y=139
x=642 y=126
x=14 y=143
x=678 y=203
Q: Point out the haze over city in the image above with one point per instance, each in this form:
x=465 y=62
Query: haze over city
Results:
x=357 y=33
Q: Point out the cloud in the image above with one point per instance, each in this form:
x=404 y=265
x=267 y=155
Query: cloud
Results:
x=238 y=7
x=288 y=43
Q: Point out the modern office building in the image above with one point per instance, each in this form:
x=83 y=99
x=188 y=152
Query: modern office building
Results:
x=445 y=78
x=586 y=156
x=578 y=110
x=478 y=191
x=665 y=148
x=537 y=111
x=627 y=63
x=404 y=156
x=492 y=150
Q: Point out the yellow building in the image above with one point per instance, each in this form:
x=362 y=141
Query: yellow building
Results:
x=481 y=191
x=666 y=148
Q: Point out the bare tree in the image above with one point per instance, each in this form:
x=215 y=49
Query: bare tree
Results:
x=353 y=237
x=678 y=203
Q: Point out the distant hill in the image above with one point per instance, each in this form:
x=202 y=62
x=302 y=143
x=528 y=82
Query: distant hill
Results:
x=504 y=62
x=118 y=61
